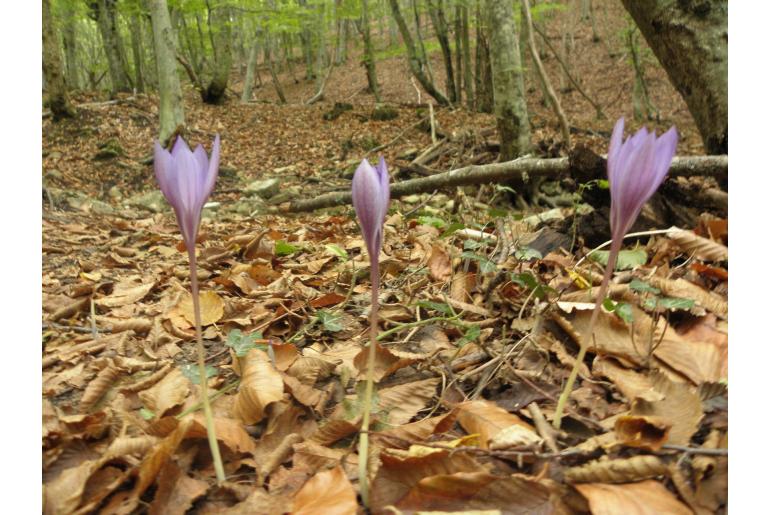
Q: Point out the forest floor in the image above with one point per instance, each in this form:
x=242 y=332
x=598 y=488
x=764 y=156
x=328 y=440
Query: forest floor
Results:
x=480 y=331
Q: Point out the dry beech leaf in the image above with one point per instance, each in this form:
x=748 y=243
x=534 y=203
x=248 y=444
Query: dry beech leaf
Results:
x=334 y=430
x=125 y=446
x=646 y=432
x=420 y=430
x=486 y=419
x=700 y=247
x=439 y=264
x=514 y=436
x=125 y=293
x=167 y=393
x=618 y=470
x=212 y=308
x=404 y=401
x=261 y=385
x=310 y=457
x=99 y=386
x=63 y=494
x=328 y=492
x=284 y=418
x=99 y=486
x=642 y=498
x=176 y=491
x=305 y=395
x=680 y=406
x=687 y=290
x=230 y=432
x=310 y=369
x=385 y=362
x=462 y=491
x=631 y=384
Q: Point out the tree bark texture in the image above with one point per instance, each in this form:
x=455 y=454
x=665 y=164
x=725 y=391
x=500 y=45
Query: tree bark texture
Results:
x=507 y=80
x=251 y=67
x=371 y=71
x=467 y=70
x=689 y=39
x=223 y=55
x=136 y=49
x=52 y=68
x=436 y=11
x=686 y=166
x=69 y=39
x=416 y=65
x=483 y=66
x=113 y=48
x=171 y=111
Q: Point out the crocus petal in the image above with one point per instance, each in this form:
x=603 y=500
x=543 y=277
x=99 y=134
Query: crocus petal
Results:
x=371 y=195
x=212 y=170
x=165 y=172
x=180 y=145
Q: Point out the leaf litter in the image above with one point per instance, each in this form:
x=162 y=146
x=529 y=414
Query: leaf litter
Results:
x=478 y=341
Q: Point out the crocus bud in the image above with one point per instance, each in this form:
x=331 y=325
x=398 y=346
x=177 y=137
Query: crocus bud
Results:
x=635 y=168
x=186 y=179
x=371 y=196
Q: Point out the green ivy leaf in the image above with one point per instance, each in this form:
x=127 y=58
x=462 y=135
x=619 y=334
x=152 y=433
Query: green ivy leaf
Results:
x=434 y=221
x=470 y=335
x=336 y=250
x=622 y=309
x=451 y=229
x=642 y=287
x=485 y=265
x=283 y=248
x=329 y=320
x=627 y=259
x=243 y=343
x=527 y=254
x=436 y=306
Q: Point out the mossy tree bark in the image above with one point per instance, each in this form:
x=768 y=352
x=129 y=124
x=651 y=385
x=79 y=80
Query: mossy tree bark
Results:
x=69 y=39
x=507 y=82
x=52 y=68
x=690 y=41
x=106 y=17
x=171 y=110
x=251 y=69
x=436 y=11
x=371 y=71
x=137 y=50
x=223 y=56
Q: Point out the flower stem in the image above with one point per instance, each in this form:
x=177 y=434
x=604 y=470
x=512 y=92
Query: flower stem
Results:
x=208 y=414
x=363 y=448
x=612 y=258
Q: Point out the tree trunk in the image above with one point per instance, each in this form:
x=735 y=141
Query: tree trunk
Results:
x=436 y=11
x=223 y=55
x=108 y=28
x=273 y=76
x=70 y=48
x=467 y=71
x=483 y=65
x=136 y=49
x=371 y=71
x=53 y=72
x=251 y=67
x=415 y=64
x=540 y=69
x=421 y=54
x=507 y=81
x=690 y=41
x=171 y=110
x=458 y=21
x=306 y=38
x=567 y=44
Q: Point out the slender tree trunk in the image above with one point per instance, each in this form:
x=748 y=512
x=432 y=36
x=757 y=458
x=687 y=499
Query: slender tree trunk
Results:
x=483 y=65
x=553 y=100
x=421 y=53
x=192 y=53
x=320 y=56
x=690 y=41
x=415 y=65
x=273 y=76
x=70 y=48
x=53 y=72
x=458 y=53
x=371 y=71
x=507 y=80
x=171 y=110
x=223 y=54
x=467 y=70
x=108 y=27
x=306 y=38
x=136 y=49
x=436 y=11
x=251 y=66
x=567 y=44
x=642 y=104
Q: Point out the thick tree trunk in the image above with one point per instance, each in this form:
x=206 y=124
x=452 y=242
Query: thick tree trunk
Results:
x=507 y=80
x=690 y=41
x=371 y=71
x=53 y=72
x=436 y=11
x=70 y=48
x=171 y=110
x=415 y=63
x=223 y=54
x=136 y=49
x=113 y=48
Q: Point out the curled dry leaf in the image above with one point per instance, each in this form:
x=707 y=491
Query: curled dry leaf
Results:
x=487 y=419
x=642 y=498
x=310 y=457
x=680 y=406
x=646 y=432
x=328 y=492
x=62 y=496
x=279 y=454
x=310 y=369
x=686 y=290
x=617 y=471
x=176 y=491
x=404 y=401
x=99 y=386
x=261 y=385
x=148 y=381
x=420 y=430
x=230 y=432
x=700 y=247
x=385 y=362
x=125 y=446
x=166 y=394
x=439 y=264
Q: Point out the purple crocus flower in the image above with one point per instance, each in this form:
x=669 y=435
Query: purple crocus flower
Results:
x=371 y=196
x=186 y=179
x=636 y=168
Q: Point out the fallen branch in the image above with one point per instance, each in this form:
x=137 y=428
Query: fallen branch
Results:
x=506 y=171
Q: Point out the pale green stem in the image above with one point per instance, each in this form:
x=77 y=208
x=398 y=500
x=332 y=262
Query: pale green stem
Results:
x=585 y=338
x=363 y=448
x=208 y=414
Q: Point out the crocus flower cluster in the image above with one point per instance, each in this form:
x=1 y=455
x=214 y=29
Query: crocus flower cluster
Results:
x=371 y=196
x=187 y=179
x=636 y=168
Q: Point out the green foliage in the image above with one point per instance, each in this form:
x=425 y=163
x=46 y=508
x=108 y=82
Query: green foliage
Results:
x=442 y=308
x=642 y=287
x=451 y=229
x=283 y=248
x=190 y=371
x=622 y=309
x=485 y=265
x=627 y=259
x=331 y=322
x=243 y=343
x=527 y=254
x=336 y=250
x=531 y=283
x=436 y=222
x=470 y=335
x=146 y=414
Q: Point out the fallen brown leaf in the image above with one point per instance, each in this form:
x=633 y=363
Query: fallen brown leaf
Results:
x=643 y=498
x=328 y=492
